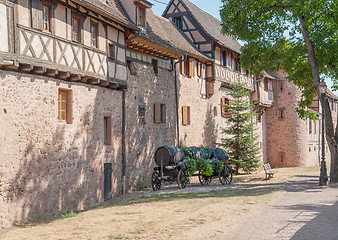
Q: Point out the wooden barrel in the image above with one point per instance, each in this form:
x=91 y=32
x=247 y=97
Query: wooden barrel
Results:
x=168 y=155
x=197 y=153
x=220 y=154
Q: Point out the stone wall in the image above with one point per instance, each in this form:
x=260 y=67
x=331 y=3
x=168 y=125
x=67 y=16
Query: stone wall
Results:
x=143 y=135
x=46 y=167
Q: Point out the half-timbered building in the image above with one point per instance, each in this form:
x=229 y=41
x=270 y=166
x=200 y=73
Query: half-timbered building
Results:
x=204 y=31
x=62 y=81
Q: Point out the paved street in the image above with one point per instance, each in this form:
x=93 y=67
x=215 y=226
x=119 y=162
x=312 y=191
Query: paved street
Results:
x=306 y=211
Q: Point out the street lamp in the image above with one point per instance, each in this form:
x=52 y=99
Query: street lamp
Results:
x=323 y=171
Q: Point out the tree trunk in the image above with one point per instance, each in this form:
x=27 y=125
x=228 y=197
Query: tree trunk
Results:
x=331 y=135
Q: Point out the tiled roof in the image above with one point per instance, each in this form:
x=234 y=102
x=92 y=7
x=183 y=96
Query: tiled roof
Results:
x=112 y=8
x=163 y=31
x=212 y=26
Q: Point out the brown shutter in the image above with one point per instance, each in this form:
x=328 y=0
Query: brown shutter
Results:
x=210 y=88
x=157 y=113
x=163 y=113
x=37 y=14
x=222 y=106
x=199 y=69
x=186 y=67
x=186 y=115
x=191 y=68
x=182 y=67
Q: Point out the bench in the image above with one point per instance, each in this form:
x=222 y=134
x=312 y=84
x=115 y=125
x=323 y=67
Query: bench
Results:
x=268 y=171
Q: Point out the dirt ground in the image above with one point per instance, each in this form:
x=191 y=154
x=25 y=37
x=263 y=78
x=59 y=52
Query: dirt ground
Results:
x=198 y=212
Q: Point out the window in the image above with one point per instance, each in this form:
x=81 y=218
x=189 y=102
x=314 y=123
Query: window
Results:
x=131 y=67
x=186 y=115
x=65 y=106
x=266 y=84
x=93 y=34
x=141 y=17
x=159 y=113
x=155 y=66
x=107 y=130
x=281 y=85
x=45 y=18
x=111 y=51
x=141 y=115
x=76 y=29
x=281 y=114
x=234 y=63
x=315 y=126
x=178 y=22
x=282 y=156
x=223 y=58
x=310 y=126
x=225 y=106
x=259 y=117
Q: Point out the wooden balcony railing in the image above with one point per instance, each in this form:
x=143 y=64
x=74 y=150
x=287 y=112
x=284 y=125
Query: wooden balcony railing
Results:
x=228 y=75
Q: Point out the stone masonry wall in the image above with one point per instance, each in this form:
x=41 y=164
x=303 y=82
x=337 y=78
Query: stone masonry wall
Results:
x=287 y=136
x=143 y=136
x=46 y=167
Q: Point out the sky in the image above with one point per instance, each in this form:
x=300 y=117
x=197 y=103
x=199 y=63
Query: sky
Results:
x=210 y=6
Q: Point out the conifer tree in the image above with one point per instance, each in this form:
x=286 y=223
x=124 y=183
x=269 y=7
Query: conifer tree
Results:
x=240 y=141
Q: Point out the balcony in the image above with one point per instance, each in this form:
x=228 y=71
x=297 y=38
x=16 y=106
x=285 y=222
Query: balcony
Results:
x=263 y=98
x=43 y=53
x=230 y=76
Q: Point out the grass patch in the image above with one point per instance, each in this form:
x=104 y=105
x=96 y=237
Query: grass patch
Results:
x=227 y=193
x=69 y=215
x=117 y=237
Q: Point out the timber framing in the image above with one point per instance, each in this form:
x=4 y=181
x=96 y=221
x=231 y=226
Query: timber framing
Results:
x=145 y=45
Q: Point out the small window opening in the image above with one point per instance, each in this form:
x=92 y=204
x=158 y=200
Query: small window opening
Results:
x=111 y=51
x=107 y=130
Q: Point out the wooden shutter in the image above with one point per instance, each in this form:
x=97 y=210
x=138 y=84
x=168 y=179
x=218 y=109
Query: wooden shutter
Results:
x=182 y=67
x=155 y=66
x=163 y=113
x=186 y=67
x=186 y=115
x=191 y=68
x=199 y=69
x=157 y=113
x=210 y=88
x=225 y=101
x=37 y=14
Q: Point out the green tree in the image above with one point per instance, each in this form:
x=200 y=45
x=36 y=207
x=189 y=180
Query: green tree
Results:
x=241 y=141
x=299 y=37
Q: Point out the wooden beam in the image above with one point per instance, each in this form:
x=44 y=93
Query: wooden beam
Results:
x=26 y=67
x=39 y=70
x=104 y=83
x=93 y=81
x=11 y=65
x=75 y=77
x=63 y=75
x=51 y=72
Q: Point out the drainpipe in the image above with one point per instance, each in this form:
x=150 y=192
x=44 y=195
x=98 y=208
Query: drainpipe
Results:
x=176 y=100
x=124 y=159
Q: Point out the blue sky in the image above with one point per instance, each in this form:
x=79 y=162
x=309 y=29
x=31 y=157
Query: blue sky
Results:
x=210 y=6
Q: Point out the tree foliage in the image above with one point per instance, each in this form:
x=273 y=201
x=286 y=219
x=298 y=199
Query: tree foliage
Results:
x=300 y=37
x=240 y=141
x=273 y=32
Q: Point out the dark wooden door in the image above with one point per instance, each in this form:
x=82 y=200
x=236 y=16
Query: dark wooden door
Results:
x=107 y=181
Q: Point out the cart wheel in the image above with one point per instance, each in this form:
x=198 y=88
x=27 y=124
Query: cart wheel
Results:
x=181 y=179
x=204 y=180
x=156 y=181
x=225 y=176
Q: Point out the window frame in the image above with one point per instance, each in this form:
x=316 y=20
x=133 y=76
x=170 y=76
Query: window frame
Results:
x=48 y=12
x=141 y=18
x=78 y=31
x=94 y=39
x=107 y=129
x=68 y=106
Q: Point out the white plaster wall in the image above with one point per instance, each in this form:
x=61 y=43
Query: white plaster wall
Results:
x=3 y=29
x=23 y=13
